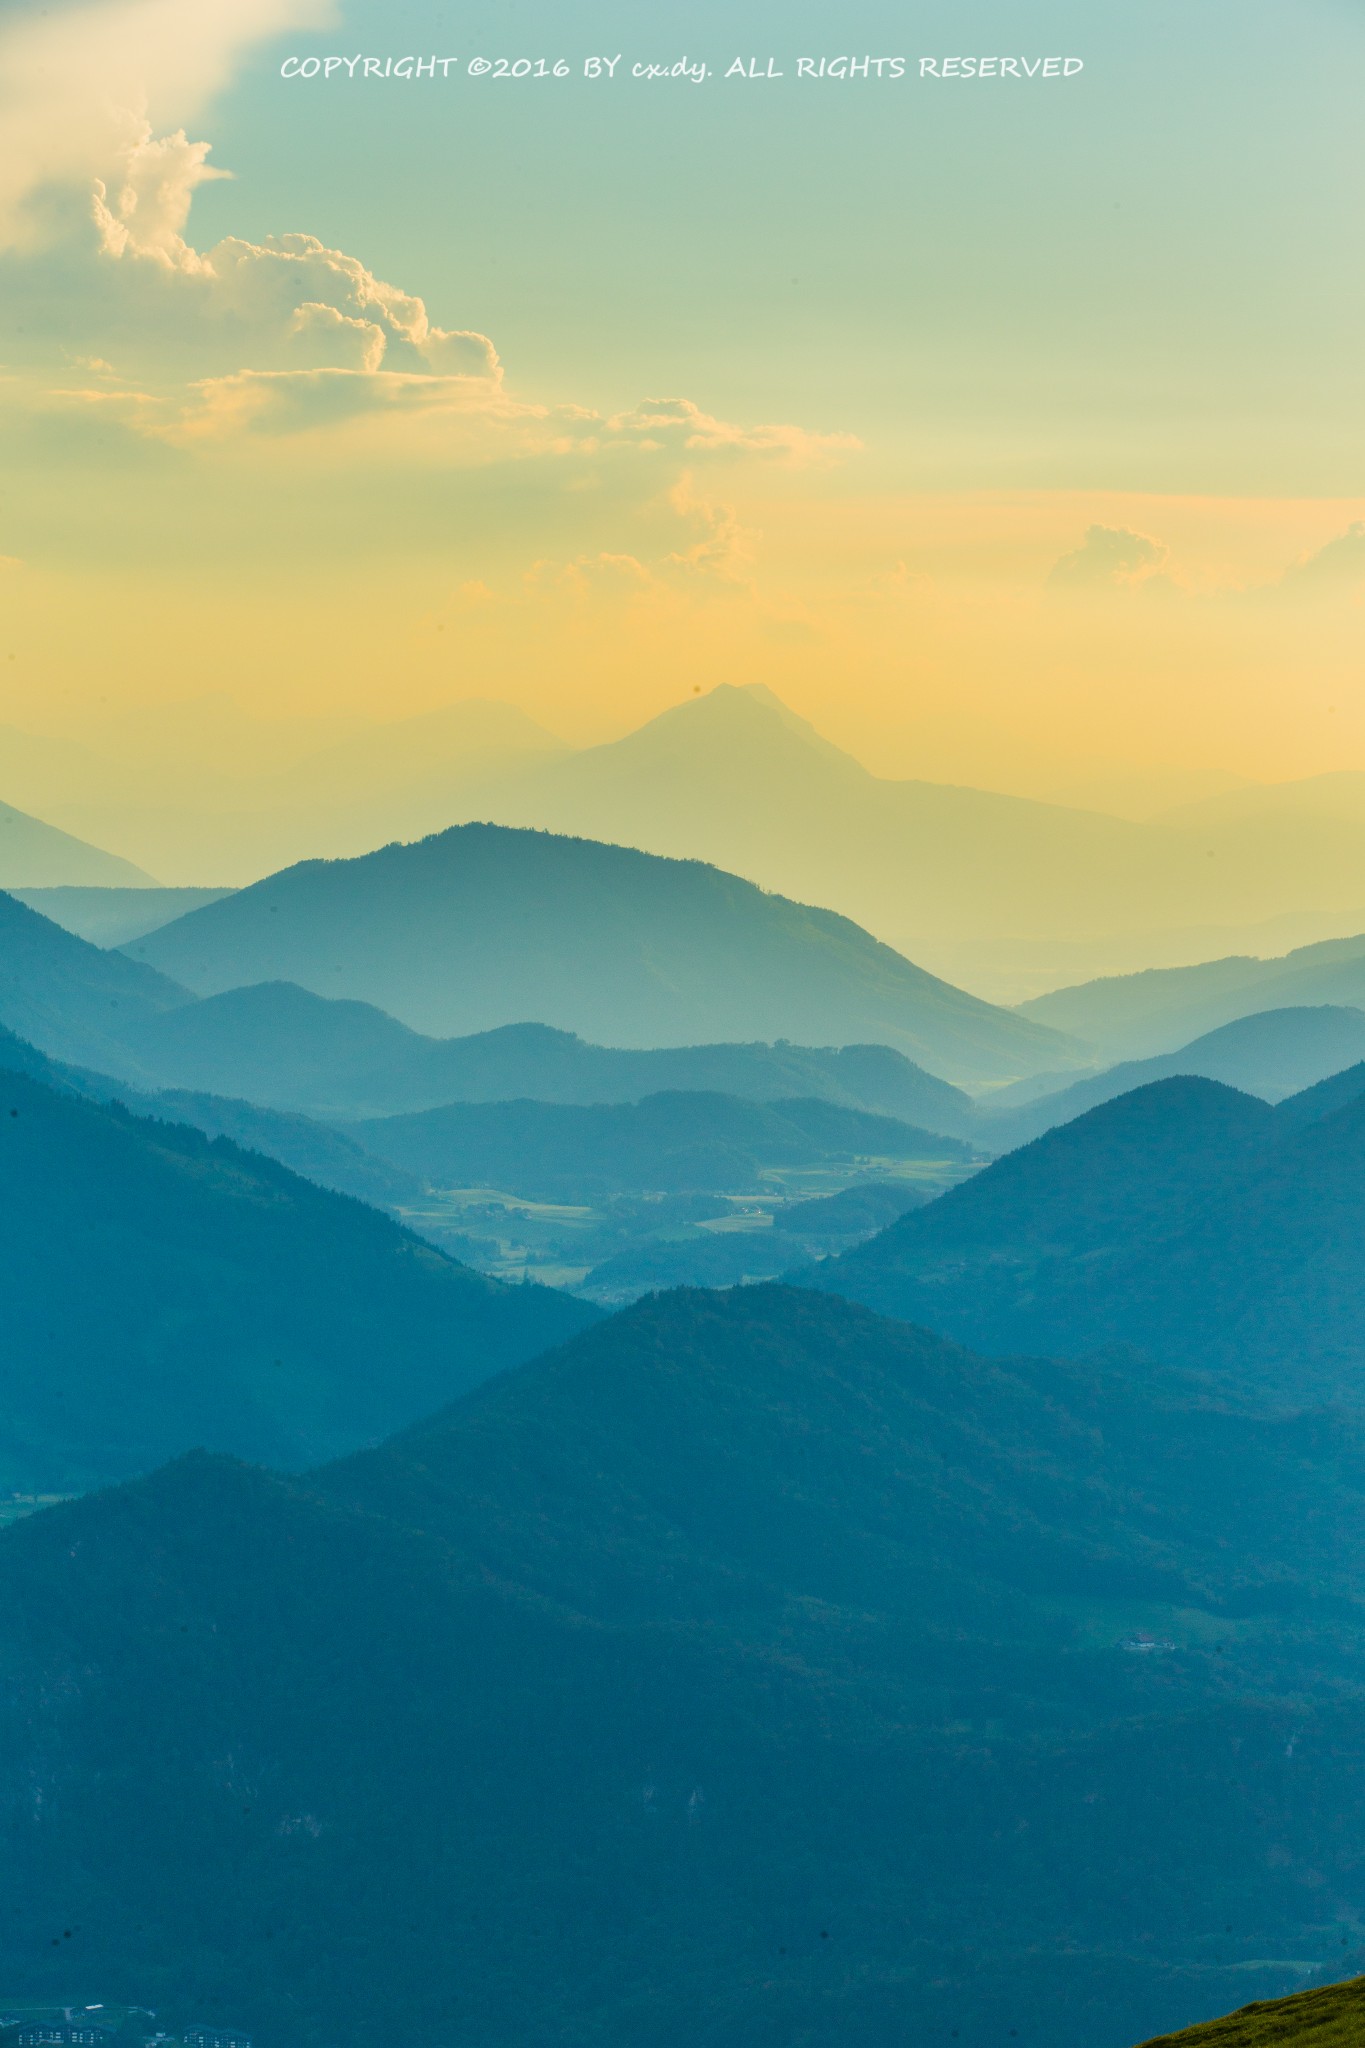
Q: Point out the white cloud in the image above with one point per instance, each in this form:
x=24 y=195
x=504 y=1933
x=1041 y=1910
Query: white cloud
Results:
x=79 y=85
x=251 y=341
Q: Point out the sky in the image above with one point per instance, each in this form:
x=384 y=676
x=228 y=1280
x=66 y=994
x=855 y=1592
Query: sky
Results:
x=1011 y=429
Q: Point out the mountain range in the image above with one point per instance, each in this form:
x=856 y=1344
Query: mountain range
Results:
x=1185 y=1223
x=160 y=1290
x=112 y=916
x=315 y=1150
x=1338 y=795
x=668 y=1142
x=482 y=926
x=1133 y=1015
x=749 y=1669
x=1272 y=1053
x=276 y=1043
x=741 y=1250
x=735 y=777
x=970 y=881
x=69 y=998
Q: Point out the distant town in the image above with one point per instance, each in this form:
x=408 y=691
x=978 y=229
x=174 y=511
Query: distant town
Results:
x=106 y=2026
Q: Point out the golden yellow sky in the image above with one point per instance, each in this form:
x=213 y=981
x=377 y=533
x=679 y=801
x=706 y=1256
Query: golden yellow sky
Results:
x=929 y=634
x=997 y=472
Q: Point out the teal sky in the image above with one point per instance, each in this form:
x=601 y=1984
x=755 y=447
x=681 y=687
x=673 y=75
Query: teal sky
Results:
x=1149 y=278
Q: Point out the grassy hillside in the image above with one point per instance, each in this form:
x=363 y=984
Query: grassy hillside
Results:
x=1331 y=2017
x=481 y=926
x=746 y=1671
x=160 y=1290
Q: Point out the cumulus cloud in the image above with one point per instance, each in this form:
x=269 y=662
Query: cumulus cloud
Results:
x=284 y=302
x=254 y=341
x=79 y=85
x=155 y=181
x=1109 y=558
x=265 y=339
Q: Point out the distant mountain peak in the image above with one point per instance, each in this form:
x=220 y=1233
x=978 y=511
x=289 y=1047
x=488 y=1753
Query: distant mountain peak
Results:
x=749 y=714
x=484 y=925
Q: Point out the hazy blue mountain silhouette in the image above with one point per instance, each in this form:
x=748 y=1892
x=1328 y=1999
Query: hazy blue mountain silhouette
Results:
x=160 y=1290
x=277 y=1043
x=749 y=1670
x=34 y=855
x=674 y=1142
x=1137 y=1014
x=69 y=998
x=1312 y=1104
x=315 y=1150
x=733 y=776
x=482 y=926
x=1273 y=1054
x=1185 y=1220
x=110 y=916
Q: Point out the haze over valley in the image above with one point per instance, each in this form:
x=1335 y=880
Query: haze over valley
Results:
x=1004 y=894
x=682 y=1027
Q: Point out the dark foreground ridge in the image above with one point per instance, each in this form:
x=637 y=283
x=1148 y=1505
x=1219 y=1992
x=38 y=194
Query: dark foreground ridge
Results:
x=160 y=1290
x=750 y=1670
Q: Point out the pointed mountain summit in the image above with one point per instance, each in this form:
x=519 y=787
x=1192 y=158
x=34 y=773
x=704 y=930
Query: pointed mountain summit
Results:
x=736 y=777
x=482 y=926
x=934 y=869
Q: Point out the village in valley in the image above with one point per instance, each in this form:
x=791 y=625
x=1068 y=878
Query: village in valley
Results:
x=106 y=2026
